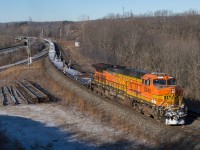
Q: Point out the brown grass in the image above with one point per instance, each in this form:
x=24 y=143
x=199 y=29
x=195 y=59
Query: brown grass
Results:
x=57 y=83
x=69 y=98
x=22 y=72
x=73 y=100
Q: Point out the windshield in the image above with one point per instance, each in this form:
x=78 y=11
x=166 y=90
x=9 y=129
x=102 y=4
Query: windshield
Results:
x=171 y=82
x=159 y=82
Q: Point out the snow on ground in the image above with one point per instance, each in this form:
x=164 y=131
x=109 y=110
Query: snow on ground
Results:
x=52 y=126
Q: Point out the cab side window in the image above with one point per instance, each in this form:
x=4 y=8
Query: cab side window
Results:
x=147 y=82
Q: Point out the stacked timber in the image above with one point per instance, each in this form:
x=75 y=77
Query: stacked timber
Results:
x=11 y=95
x=1 y=97
x=34 y=92
x=18 y=97
x=23 y=92
x=29 y=96
x=39 y=94
x=8 y=98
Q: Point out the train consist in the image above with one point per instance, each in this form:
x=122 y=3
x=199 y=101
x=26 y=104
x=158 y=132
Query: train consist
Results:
x=153 y=94
x=68 y=69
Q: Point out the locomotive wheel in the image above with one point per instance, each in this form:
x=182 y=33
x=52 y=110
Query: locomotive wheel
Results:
x=96 y=89
x=135 y=105
x=145 y=110
x=140 y=108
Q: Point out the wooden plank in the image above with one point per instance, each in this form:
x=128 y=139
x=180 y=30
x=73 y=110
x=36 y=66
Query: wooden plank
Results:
x=39 y=94
x=30 y=97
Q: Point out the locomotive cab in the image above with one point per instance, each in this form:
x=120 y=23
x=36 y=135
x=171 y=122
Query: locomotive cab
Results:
x=162 y=91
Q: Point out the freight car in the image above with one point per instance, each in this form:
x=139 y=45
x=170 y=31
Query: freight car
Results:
x=68 y=70
x=153 y=94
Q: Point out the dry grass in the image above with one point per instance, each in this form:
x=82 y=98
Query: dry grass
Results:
x=70 y=99
x=55 y=83
x=109 y=119
x=22 y=72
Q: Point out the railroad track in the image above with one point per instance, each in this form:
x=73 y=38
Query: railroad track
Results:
x=191 y=130
x=24 y=92
x=187 y=130
x=116 y=102
x=192 y=114
x=38 y=56
x=11 y=47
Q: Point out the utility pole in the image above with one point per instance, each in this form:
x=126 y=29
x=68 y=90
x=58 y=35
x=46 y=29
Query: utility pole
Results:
x=29 y=52
x=131 y=13
x=42 y=34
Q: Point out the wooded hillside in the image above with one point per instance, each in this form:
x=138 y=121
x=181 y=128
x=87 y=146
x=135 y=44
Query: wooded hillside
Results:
x=164 y=42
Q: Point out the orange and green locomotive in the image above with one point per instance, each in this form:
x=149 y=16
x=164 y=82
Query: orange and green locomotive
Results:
x=153 y=94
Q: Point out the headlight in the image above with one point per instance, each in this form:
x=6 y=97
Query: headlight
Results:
x=172 y=91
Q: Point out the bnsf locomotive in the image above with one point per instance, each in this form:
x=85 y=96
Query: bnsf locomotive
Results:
x=153 y=94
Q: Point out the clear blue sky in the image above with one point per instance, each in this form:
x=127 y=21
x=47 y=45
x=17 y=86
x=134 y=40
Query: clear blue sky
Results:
x=54 y=10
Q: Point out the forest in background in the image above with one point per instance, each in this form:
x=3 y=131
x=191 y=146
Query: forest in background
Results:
x=164 y=42
x=158 y=42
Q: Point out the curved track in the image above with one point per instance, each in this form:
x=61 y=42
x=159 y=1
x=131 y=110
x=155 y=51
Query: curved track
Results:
x=36 y=57
x=191 y=117
x=188 y=133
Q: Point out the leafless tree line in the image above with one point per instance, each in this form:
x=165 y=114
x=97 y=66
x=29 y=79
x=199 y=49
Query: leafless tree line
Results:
x=164 y=42
x=38 y=29
x=21 y=54
x=161 y=41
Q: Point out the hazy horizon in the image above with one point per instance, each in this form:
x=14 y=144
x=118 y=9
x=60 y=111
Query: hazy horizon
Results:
x=62 y=10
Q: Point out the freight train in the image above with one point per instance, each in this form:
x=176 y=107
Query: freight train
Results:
x=151 y=93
